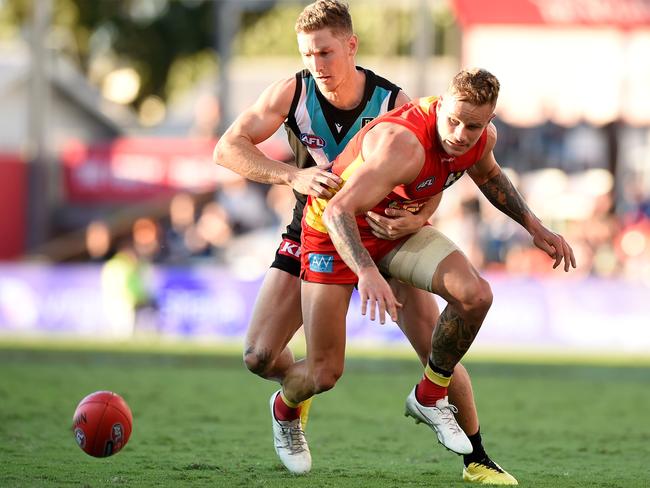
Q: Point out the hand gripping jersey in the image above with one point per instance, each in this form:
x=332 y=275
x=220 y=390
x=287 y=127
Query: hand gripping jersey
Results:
x=438 y=172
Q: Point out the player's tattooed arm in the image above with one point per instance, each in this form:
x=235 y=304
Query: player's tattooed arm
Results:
x=501 y=193
x=375 y=294
x=344 y=232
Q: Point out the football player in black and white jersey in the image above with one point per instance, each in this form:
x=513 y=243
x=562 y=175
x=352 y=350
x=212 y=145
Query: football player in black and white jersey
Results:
x=321 y=108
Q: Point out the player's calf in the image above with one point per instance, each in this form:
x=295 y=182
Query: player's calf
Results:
x=325 y=378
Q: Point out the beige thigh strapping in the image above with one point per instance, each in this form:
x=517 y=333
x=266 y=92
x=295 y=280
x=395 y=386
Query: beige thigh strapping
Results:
x=417 y=259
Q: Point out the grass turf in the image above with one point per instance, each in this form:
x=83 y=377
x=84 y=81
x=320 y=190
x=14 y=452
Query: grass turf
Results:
x=202 y=420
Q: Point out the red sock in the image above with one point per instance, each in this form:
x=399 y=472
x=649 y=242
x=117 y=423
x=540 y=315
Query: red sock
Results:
x=428 y=393
x=284 y=412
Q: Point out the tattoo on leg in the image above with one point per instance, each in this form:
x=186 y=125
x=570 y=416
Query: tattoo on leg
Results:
x=261 y=362
x=451 y=339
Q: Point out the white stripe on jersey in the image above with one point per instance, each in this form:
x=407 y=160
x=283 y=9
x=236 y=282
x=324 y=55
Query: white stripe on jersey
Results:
x=303 y=120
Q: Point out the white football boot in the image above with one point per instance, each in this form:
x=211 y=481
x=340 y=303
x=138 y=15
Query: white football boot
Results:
x=441 y=419
x=290 y=443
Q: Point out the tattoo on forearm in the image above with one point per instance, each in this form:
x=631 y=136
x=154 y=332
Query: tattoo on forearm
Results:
x=345 y=235
x=504 y=196
x=451 y=339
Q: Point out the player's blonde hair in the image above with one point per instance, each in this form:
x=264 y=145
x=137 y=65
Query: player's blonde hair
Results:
x=476 y=86
x=325 y=14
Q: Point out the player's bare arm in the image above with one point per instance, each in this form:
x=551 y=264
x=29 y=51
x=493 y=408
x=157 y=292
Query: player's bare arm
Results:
x=501 y=193
x=377 y=176
x=397 y=223
x=237 y=151
x=496 y=186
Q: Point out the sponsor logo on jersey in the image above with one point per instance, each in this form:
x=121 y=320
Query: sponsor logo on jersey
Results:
x=321 y=263
x=289 y=248
x=426 y=183
x=366 y=120
x=312 y=140
x=453 y=178
x=447 y=159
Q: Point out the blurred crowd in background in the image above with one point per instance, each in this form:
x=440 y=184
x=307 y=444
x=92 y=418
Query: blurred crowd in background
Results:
x=240 y=227
x=588 y=177
x=563 y=173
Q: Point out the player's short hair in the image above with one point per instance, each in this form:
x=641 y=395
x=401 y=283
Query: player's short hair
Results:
x=325 y=14
x=476 y=86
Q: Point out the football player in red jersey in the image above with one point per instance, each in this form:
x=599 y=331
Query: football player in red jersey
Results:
x=403 y=159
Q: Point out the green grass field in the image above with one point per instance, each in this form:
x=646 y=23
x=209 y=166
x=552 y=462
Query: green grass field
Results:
x=202 y=420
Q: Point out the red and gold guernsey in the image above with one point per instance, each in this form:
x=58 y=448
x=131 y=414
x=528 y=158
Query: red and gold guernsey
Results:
x=439 y=171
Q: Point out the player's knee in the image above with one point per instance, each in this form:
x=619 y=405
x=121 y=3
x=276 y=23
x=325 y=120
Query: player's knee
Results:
x=477 y=298
x=325 y=379
x=257 y=361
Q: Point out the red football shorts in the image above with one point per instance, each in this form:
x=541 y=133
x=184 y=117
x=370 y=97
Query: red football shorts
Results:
x=321 y=263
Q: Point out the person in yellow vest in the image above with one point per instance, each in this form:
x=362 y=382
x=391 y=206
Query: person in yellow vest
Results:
x=124 y=289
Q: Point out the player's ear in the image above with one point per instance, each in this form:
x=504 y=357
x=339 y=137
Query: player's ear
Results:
x=353 y=44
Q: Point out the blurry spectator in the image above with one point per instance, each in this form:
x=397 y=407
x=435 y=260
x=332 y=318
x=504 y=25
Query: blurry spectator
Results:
x=585 y=148
x=636 y=197
x=188 y=237
x=207 y=116
x=125 y=288
x=146 y=239
x=211 y=234
x=280 y=199
x=552 y=137
x=245 y=204
x=633 y=248
x=598 y=232
x=497 y=234
x=98 y=240
x=182 y=210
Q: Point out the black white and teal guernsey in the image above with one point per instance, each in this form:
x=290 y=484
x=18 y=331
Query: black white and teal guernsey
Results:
x=318 y=132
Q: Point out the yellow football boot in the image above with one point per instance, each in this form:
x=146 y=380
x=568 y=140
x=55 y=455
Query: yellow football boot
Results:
x=487 y=472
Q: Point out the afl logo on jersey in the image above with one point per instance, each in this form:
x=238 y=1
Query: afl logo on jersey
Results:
x=426 y=183
x=312 y=140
